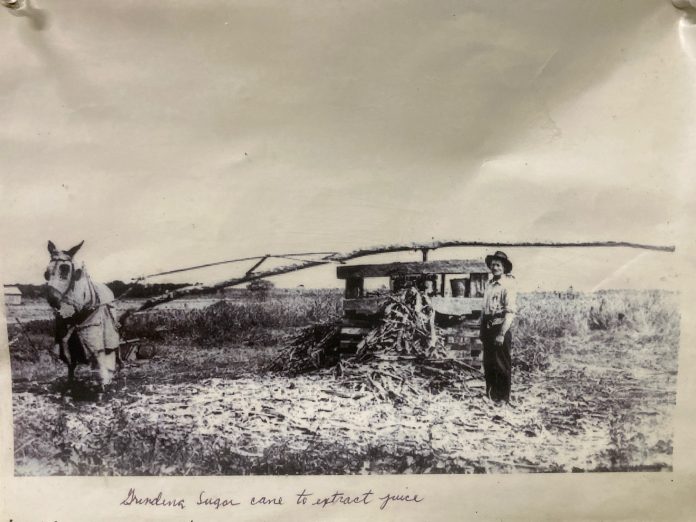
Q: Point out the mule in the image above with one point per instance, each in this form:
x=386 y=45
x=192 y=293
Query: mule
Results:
x=86 y=331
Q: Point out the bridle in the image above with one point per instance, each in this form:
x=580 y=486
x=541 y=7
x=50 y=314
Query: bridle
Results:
x=64 y=296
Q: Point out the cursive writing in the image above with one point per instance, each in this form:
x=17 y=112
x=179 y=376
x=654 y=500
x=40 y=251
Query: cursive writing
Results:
x=216 y=502
x=266 y=501
x=337 y=498
x=398 y=498
x=159 y=500
x=305 y=498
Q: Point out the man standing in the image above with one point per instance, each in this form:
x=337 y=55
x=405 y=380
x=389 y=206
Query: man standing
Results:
x=499 y=306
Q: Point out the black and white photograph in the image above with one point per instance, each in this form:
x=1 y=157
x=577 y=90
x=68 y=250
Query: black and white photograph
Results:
x=420 y=366
x=352 y=238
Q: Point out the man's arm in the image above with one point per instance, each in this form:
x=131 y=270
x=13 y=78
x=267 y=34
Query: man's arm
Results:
x=509 y=303
x=482 y=324
x=507 y=323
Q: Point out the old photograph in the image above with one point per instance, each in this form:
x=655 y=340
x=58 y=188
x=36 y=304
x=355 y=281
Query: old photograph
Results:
x=412 y=366
x=341 y=239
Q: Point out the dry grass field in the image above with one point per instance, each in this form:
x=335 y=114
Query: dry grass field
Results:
x=594 y=389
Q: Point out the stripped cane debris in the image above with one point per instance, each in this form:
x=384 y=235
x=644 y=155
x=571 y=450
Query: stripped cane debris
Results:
x=584 y=398
x=397 y=360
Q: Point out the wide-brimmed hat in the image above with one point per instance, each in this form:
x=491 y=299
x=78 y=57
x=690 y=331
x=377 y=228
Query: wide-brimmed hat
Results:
x=502 y=257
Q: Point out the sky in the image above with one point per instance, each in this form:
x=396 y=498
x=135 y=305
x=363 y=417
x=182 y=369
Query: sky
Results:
x=173 y=134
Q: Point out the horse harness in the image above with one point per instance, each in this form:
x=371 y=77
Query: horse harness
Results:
x=94 y=303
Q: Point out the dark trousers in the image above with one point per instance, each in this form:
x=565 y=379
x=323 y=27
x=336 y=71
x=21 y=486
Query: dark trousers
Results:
x=497 y=364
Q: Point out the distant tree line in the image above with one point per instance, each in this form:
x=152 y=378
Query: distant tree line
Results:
x=138 y=290
x=32 y=291
x=261 y=285
x=117 y=287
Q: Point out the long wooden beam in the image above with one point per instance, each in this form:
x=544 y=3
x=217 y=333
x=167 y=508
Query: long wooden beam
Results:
x=450 y=266
x=205 y=289
x=404 y=247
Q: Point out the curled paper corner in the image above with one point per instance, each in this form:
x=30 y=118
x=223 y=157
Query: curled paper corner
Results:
x=23 y=8
x=12 y=4
x=687 y=26
x=689 y=8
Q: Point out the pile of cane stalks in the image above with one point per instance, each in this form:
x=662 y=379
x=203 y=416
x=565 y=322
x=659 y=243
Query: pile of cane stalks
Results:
x=398 y=360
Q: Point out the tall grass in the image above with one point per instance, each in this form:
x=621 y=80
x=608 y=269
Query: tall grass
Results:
x=544 y=319
x=232 y=321
x=644 y=312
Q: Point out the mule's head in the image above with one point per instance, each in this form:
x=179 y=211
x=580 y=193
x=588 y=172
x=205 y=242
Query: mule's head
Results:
x=60 y=273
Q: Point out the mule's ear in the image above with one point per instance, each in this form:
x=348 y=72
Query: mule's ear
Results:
x=74 y=249
x=52 y=248
x=78 y=274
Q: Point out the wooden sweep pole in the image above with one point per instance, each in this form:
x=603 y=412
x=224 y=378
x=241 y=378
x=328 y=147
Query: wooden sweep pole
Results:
x=205 y=289
x=342 y=257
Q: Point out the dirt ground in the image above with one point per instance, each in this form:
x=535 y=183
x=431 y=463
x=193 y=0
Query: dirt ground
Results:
x=604 y=402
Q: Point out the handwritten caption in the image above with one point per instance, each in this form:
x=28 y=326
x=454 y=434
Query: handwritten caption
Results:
x=304 y=499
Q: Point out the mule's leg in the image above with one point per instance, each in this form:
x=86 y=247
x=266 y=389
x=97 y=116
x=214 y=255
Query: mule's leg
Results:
x=106 y=366
x=69 y=356
x=69 y=387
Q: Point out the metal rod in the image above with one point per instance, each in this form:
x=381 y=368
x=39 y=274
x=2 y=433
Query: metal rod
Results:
x=229 y=261
x=204 y=289
x=177 y=270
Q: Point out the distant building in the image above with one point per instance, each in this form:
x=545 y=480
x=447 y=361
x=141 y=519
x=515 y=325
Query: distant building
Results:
x=13 y=296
